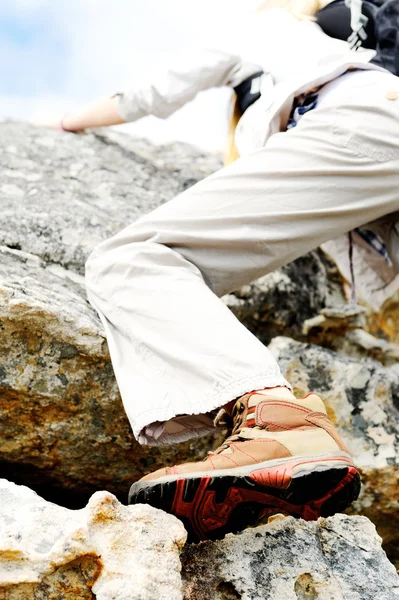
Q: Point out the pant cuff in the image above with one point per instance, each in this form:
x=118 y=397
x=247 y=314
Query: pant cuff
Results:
x=155 y=420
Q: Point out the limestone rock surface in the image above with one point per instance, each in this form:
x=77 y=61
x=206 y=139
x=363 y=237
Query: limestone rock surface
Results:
x=308 y=301
x=281 y=302
x=338 y=558
x=105 y=551
x=61 y=194
x=63 y=430
x=363 y=402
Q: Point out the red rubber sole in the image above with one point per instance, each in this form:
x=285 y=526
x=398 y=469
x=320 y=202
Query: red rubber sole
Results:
x=210 y=507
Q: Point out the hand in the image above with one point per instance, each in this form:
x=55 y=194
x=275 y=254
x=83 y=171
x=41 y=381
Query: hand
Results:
x=101 y=113
x=55 y=124
x=51 y=122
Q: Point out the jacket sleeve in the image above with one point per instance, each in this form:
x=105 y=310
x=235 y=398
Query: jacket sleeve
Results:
x=168 y=90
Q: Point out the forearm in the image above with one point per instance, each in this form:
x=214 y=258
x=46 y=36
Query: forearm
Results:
x=100 y=113
x=162 y=94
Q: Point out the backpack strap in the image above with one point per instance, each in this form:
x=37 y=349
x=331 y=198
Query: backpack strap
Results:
x=363 y=22
x=249 y=91
x=358 y=24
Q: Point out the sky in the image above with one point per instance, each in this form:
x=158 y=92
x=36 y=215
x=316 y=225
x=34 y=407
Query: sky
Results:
x=61 y=54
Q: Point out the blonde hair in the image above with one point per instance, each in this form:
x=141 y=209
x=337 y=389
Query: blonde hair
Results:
x=301 y=9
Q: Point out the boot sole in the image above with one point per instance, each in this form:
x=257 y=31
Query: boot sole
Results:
x=212 y=504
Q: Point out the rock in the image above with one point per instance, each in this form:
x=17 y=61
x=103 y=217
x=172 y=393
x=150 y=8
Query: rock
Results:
x=338 y=558
x=105 y=551
x=281 y=302
x=337 y=320
x=339 y=328
x=359 y=342
x=362 y=398
x=307 y=300
x=61 y=194
x=63 y=430
x=384 y=323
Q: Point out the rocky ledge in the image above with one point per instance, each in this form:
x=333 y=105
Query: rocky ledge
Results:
x=107 y=551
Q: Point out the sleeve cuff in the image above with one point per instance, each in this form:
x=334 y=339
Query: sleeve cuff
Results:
x=121 y=106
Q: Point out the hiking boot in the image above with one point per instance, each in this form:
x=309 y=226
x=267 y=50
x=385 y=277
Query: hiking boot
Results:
x=282 y=456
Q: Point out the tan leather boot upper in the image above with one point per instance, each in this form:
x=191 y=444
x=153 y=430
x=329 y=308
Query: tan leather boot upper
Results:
x=266 y=428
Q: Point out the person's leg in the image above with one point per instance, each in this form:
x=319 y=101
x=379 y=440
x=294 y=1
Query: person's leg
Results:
x=176 y=349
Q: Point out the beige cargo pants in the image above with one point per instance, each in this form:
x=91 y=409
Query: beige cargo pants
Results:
x=176 y=349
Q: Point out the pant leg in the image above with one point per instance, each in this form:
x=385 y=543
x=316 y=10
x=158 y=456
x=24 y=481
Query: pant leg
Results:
x=176 y=349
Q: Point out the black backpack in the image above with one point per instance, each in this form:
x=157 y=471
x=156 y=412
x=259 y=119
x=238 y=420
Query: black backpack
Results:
x=338 y=20
x=371 y=24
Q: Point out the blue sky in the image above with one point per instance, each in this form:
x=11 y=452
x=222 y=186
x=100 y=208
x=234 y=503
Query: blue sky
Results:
x=60 y=54
x=28 y=37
